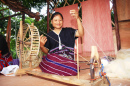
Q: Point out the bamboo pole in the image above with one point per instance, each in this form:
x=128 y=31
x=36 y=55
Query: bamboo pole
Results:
x=21 y=43
x=77 y=59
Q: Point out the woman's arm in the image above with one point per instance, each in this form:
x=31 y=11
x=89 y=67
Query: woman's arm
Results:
x=42 y=43
x=80 y=31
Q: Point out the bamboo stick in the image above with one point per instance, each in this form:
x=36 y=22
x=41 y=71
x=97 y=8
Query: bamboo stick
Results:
x=77 y=60
x=21 y=44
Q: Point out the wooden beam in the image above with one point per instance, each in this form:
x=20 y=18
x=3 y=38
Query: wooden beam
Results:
x=128 y=20
x=70 y=79
x=116 y=26
x=64 y=79
x=10 y=16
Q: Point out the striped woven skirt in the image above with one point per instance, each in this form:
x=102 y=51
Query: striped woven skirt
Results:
x=56 y=64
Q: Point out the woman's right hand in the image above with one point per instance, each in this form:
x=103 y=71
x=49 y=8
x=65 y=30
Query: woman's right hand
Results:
x=43 y=40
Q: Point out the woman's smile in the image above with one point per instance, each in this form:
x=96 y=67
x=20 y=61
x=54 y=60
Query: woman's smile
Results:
x=57 y=22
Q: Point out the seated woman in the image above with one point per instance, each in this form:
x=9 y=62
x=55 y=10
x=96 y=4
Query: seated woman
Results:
x=58 y=44
x=5 y=56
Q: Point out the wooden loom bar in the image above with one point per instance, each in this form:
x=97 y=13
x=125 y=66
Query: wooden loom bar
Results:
x=116 y=26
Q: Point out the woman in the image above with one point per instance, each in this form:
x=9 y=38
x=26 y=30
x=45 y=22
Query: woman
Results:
x=58 y=44
x=5 y=57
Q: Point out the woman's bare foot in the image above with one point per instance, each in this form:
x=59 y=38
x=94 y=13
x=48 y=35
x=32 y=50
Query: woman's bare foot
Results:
x=38 y=69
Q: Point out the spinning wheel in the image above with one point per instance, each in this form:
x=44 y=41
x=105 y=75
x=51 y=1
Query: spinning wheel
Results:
x=95 y=62
x=30 y=46
x=94 y=65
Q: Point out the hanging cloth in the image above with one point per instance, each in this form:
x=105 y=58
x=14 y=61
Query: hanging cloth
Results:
x=96 y=20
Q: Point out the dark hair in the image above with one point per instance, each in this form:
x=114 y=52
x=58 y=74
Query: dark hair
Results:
x=53 y=15
x=56 y=13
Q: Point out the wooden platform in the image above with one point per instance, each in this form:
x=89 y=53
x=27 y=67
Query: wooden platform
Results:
x=65 y=79
x=70 y=79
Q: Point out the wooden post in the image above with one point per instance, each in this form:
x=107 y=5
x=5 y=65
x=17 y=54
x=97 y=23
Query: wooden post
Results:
x=94 y=52
x=8 y=33
x=21 y=43
x=77 y=59
x=48 y=16
x=23 y=18
x=116 y=26
x=94 y=56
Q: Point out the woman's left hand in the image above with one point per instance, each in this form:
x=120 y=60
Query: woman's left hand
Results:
x=74 y=13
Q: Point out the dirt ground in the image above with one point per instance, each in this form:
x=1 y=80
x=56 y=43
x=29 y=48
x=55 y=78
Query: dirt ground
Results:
x=31 y=80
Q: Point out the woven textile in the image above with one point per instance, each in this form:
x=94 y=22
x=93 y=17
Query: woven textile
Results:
x=96 y=20
x=56 y=64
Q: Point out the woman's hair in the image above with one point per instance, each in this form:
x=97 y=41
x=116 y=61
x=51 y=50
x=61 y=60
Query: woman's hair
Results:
x=55 y=14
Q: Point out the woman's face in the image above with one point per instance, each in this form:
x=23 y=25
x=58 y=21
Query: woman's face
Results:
x=57 y=22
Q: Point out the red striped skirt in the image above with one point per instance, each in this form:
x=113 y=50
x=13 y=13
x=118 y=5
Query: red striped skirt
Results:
x=56 y=64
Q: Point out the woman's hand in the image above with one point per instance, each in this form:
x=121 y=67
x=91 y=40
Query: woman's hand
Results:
x=43 y=40
x=74 y=13
x=80 y=31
